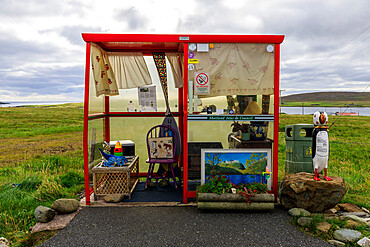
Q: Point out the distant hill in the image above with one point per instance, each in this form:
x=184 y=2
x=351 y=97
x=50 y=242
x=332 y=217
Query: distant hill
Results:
x=327 y=96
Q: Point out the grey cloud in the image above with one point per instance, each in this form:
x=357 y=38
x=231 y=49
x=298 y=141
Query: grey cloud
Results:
x=132 y=17
x=32 y=8
x=73 y=33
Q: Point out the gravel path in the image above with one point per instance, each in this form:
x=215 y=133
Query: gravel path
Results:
x=180 y=226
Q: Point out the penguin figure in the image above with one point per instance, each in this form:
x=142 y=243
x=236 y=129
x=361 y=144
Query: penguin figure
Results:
x=320 y=145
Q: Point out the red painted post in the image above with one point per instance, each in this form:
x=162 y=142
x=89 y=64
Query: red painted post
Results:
x=185 y=126
x=106 y=119
x=181 y=117
x=275 y=164
x=86 y=124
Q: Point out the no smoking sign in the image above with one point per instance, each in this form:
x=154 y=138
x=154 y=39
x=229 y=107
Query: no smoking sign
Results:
x=201 y=85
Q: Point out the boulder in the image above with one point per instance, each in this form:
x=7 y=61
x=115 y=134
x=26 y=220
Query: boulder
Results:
x=304 y=221
x=336 y=243
x=347 y=235
x=300 y=190
x=113 y=198
x=299 y=212
x=4 y=242
x=65 y=206
x=44 y=214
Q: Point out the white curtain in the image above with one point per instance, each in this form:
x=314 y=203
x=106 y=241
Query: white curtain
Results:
x=238 y=69
x=130 y=69
x=176 y=60
x=105 y=82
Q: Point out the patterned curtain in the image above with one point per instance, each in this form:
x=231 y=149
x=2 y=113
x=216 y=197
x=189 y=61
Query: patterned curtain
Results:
x=130 y=69
x=105 y=81
x=238 y=69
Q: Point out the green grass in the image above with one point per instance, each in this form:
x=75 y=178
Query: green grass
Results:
x=327 y=104
x=40 y=161
x=43 y=159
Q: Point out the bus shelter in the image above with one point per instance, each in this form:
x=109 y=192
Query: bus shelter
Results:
x=213 y=83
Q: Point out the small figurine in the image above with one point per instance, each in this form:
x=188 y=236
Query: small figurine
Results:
x=118 y=150
x=320 y=145
x=113 y=160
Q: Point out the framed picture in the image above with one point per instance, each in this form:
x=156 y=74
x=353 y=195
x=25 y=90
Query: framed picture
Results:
x=247 y=165
x=161 y=147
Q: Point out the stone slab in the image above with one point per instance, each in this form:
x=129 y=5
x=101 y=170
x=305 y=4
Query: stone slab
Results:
x=59 y=222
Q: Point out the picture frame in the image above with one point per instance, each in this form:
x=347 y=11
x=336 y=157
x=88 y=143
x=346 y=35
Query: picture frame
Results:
x=244 y=165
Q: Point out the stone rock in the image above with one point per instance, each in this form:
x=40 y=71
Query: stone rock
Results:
x=336 y=242
x=44 y=214
x=65 y=206
x=304 y=221
x=4 y=242
x=59 y=222
x=366 y=219
x=164 y=183
x=337 y=208
x=351 y=224
x=346 y=235
x=349 y=207
x=330 y=212
x=323 y=226
x=300 y=190
x=113 y=198
x=354 y=213
x=152 y=184
x=365 y=210
x=364 y=242
x=356 y=218
x=299 y=212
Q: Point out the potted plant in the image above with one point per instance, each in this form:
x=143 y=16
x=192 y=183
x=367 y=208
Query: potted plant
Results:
x=245 y=129
x=219 y=193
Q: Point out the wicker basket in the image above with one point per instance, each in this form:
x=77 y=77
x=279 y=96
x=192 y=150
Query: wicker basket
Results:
x=116 y=180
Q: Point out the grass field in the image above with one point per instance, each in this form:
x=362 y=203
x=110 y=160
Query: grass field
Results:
x=328 y=104
x=41 y=160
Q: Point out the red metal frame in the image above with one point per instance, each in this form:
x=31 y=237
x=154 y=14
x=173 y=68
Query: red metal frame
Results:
x=184 y=133
x=86 y=124
x=275 y=163
x=106 y=119
x=156 y=42
x=182 y=38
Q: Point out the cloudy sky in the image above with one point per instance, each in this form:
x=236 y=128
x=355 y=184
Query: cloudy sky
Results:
x=326 y=47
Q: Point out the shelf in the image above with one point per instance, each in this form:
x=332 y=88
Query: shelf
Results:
x=210 y=117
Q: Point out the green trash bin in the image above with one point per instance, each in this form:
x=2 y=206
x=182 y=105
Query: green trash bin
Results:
x=298 y=155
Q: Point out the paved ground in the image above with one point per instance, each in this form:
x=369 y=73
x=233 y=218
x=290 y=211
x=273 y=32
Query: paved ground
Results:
x=180 y=226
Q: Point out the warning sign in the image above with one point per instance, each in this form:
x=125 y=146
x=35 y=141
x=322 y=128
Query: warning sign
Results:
x=202 y=83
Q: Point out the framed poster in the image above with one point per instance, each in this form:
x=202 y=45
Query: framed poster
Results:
x=161 y=147
x=244 y=165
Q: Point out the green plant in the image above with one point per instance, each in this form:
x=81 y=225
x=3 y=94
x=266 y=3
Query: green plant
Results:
x=49 y=190
x=216 y=184
x=255 y=188
x=30 y=184
x=71 y=179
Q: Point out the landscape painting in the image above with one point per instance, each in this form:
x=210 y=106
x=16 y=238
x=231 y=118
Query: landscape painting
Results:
x=240 y=165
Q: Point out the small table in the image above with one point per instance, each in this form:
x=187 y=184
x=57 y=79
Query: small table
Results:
x=116 y=180
x=237 y=143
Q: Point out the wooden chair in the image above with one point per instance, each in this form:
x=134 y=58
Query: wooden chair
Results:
x=161 y=144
